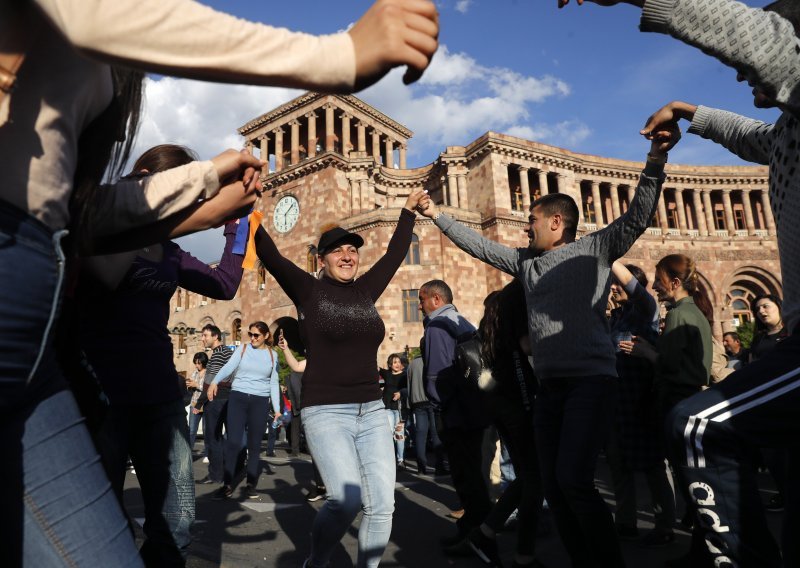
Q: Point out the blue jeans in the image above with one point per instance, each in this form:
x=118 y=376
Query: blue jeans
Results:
x=250 y=413
x=156 y=438
x=58 y=507
x=352 y=447
x=194 y=424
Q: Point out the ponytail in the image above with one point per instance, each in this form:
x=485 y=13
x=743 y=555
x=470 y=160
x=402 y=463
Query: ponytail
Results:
x=684 y=269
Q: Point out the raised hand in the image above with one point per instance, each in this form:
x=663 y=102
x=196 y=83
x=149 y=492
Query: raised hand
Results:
x=414 y=198
x=236 y=165
x=665 y=138
x=668 y=114
x=393 y=33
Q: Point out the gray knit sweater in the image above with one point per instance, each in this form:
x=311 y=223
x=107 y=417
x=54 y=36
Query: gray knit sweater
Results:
x=566 y=289
x=764 y=47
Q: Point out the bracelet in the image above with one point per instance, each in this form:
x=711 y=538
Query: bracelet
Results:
x=657 y=159
x=439 y=214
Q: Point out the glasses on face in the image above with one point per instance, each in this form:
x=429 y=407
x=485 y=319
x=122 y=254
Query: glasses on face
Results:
x=253 y=335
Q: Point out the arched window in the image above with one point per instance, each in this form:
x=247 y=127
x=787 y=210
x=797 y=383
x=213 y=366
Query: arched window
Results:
x=262 y=276
x=236 y=331
x=412 y=256
x=311 y=259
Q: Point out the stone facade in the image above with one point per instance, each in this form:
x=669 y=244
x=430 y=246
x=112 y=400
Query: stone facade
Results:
x=345 y=162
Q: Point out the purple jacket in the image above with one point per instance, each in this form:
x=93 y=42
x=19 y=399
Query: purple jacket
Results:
x=124 y=332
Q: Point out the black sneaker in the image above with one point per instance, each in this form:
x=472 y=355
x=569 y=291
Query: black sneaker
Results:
x=484 y=547
x=775 y=504
x=315 y=494
x=223 y=492
x=205 y=481
x=250 y=491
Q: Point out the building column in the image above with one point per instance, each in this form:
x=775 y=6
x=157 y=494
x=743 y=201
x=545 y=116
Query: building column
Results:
x=311 y=149
x=364 y=194
x=388 y=146
x=362 y=136
x=748 y=213
x=402 y=152
x=462 y=190
x=598 y=206
x=543 y=188
x=278 y=149
x=295 y=141
x=726 y=203
x=699 y=213
x=683 y=226
x=768 y=217
x=376 y=145
x=525 y=187
x=452 y=190
x=355 y=196
x=613 y=190
x=662 y=215
x=264 y=141
x=346 y=144
x=709 y=210
x=329 y=128
x=250 y=147
x=562 y=187
x=631 y=195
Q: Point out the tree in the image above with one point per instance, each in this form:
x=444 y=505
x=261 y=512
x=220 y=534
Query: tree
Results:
x=746 y=332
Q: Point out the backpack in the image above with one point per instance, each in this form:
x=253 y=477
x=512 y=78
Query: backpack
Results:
x=470 y=365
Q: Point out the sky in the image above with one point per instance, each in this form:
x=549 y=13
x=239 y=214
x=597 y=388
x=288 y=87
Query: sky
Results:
x=583 y=78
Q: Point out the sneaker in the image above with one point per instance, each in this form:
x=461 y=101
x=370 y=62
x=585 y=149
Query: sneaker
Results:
x=455 y=514
x=205 y=459
x=658 y=538
x=250 y=491
x=205 y=481
x=269 y=454
x=268 y=469
x=484 y=547
x=775 y=504
x=223 y=492
x=315 y=494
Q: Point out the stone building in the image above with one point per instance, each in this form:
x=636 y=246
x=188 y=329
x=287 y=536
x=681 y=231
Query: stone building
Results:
x=336 y=159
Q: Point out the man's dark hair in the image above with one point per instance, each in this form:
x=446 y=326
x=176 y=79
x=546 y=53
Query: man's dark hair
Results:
x=213 y=330
x=638 y=273
x=787 y=9
x=439 y=287
x=733 y=335
x=561 y=204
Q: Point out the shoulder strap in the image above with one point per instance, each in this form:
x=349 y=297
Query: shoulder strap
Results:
x=18 y=30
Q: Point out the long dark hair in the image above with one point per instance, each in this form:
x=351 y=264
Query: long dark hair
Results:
x=163 y=157
x=496 y=328
x=683 y=268
x=105 y=147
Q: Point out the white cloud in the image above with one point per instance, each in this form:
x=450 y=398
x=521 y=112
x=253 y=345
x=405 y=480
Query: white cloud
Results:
x=463 y=6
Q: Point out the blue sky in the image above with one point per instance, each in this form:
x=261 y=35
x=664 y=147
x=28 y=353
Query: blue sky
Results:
x=583 y=78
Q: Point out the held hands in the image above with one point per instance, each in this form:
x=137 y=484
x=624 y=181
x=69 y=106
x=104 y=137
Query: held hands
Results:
x=417 y=200
x=393 y=33
x=664 y=139
x=667 y=115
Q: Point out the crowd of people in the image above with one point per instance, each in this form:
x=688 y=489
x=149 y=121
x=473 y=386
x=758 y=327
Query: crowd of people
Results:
x=548 y=367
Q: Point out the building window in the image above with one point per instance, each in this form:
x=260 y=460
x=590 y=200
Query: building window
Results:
x=412 y=256
x=411 y=311
x=672 y=216
x=516 y=198
x=236 y=331
x=719 y=218
x=311 y=259
x=588 y=211
x=738 y=219
x=262 y=276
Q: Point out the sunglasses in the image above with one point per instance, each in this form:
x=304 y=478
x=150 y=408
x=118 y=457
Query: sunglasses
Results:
x=254 y=335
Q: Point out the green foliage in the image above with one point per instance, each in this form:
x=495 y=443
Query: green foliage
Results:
x=413 y=353
x=283 y=368
x=746 y=332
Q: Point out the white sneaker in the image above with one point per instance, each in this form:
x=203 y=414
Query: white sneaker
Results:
x=205 y=459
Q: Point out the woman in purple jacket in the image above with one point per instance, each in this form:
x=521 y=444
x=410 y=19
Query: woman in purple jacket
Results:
x=124 y=303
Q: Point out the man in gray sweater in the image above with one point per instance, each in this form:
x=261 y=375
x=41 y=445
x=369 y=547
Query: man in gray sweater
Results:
x=757 y=406
x=566 y=283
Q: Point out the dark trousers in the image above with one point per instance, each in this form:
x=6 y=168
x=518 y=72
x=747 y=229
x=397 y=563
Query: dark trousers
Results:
x=156 y=436
x=250 y=412
x=572 y=419
x=295 y=429
x=464 y=451
x=712 y=437
x=215 y=413
x=514 y=425
x=425 y=425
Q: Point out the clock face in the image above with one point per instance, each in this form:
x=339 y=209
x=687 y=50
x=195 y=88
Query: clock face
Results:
x=287 y=212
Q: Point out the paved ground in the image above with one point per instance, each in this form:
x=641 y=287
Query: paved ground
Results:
x=273 y=530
